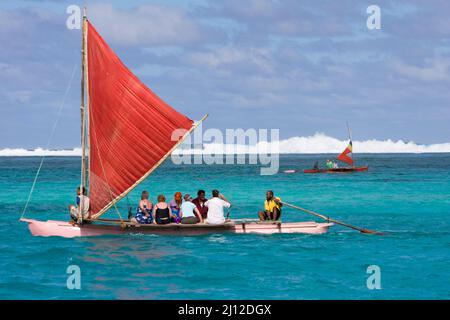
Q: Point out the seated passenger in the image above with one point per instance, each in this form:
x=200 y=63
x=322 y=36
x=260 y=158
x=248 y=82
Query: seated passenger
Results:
x=215 y=208
x=188 y=212
x=80 y=211
x=272 y=207
x=329 y=164
x=175 y=206
x=161 y=211
x=144 y=210
x=200 y=203
x=316 y=165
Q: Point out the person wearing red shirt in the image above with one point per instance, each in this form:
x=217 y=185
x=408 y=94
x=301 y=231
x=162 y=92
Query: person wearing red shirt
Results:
x=200 y=203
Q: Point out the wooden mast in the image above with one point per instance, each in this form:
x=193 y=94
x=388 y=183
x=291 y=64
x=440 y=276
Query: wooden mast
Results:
x=87 y=113
x=82 y=110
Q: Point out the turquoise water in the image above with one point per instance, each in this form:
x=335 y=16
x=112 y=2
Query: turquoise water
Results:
x=407 y=196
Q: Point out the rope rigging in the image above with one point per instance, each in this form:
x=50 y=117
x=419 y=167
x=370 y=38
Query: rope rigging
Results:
x=55 y=124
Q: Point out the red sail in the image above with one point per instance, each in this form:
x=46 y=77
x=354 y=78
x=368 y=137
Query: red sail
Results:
x=344 y=155
x=130 y=127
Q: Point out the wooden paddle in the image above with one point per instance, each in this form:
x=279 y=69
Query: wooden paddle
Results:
x=362 y=230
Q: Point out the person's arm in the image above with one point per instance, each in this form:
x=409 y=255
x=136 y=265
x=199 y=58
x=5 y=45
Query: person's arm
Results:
x=141 y=206
x=170 y=212
x=154 y=214
x=199 y=216
x=278 y=201
x=221 y=196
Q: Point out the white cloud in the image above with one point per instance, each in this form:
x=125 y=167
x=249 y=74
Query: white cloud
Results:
x=435 y=69
x=227 y=56
x=146 y=24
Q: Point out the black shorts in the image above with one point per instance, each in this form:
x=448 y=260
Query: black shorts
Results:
x=268 y=216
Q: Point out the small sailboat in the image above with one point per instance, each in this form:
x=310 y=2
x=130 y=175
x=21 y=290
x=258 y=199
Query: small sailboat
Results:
x=346 y=156
x=118 y=152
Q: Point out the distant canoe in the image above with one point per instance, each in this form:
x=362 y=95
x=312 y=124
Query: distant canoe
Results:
x=346 y=156
x=337 y=170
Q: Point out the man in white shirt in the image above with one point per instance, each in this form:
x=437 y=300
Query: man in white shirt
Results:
x=215 y=208
x=81 y=210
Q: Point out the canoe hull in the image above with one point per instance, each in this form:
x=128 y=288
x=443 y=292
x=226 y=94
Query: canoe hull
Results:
x=67 y=230
x=337 y=170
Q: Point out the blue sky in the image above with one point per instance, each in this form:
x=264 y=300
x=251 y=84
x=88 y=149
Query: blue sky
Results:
x=300 y=66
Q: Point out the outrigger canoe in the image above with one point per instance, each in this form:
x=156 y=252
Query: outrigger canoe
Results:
x=115 y=227
x=346 y=156
x=117 y=155
x=337 y=170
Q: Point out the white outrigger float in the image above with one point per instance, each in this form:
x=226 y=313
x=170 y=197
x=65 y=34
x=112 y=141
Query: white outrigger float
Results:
x=118 y=154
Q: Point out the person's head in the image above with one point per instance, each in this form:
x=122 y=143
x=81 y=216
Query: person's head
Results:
x=269 y=194
x=81 y=190
x=144 y=195
x=201 y=194
x=215 y=193
x=177 y=196
x=161 y=198
x=187 y=197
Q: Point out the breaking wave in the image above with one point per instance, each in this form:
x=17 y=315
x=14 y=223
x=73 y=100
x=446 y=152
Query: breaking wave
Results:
x=321 y=143
x=38 y=152
x=318 y=143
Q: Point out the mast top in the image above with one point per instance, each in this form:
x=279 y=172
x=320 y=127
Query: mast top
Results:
x=84 y=13
x=349 y=132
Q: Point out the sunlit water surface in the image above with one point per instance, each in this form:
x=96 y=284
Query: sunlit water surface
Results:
x=407 y=196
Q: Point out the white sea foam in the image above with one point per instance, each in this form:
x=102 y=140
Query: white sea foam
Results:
x=38 y=152
x=321 y=143
x=318 y=143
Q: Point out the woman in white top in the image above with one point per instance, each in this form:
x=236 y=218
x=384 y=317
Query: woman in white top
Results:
x=215 y=208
